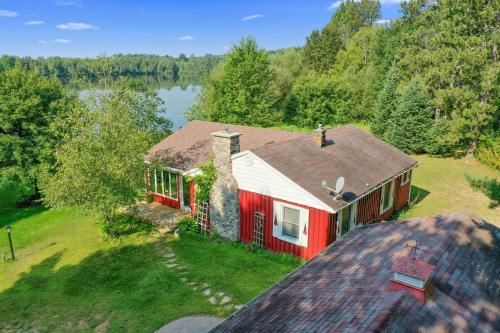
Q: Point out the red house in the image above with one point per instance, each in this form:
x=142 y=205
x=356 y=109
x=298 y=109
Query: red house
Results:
x=277 y=188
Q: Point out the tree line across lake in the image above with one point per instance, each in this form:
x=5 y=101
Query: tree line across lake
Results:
x=74 y=70
x=427 y=82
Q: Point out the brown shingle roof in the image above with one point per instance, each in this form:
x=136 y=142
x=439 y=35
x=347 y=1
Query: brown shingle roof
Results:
x=191 y=145
x=344 y=287
x=350 y=152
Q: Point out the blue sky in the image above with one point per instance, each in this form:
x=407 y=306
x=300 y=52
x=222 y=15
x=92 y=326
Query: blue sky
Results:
x=86 y=28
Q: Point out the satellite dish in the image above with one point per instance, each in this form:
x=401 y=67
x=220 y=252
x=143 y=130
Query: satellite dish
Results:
x=339 y=186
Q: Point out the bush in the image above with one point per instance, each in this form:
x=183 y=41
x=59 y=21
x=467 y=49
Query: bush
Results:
x=188 y=226
x=488 y=151
x=489 y=186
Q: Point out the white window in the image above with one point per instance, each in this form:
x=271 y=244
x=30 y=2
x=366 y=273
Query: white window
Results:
x=386 y=196
x=346 y=219
x=164 y=183
x=405 y=177
x=290 y=223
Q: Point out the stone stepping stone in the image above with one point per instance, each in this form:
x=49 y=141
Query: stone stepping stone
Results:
x=169 y=255
x=205 y=285
x=228 y=307
x=225 y=299
x=239 y=306
x=171 y=265
x=183 y=279
x=207 y=292
x=212 y=300
x=220 y=293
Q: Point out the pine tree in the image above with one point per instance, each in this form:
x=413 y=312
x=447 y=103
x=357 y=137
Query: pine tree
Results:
x=408 y=128
x=386 y=103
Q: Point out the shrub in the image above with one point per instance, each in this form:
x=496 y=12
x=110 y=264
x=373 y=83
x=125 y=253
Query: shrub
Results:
x=188 y=226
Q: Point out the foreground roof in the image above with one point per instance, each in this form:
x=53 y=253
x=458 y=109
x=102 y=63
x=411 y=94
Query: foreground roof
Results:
x=191 y=145
x=344 y=287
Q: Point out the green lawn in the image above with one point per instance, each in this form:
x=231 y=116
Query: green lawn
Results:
x=444 y=188
x=68 y=277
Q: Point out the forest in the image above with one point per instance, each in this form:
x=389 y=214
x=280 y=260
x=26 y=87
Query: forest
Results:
x=427 y=82
x=70 y=70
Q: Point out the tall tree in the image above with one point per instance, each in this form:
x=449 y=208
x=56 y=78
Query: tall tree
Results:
x=408 y=128
x=322 y=46
x=241 y=91
x=101 y=154
x=28 y=105
x=453 y=46
x=387 y=103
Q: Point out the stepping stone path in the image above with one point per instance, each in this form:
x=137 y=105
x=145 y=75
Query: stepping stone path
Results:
x=218 y=298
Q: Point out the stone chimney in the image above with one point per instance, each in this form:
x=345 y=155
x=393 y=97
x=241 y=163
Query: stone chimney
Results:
x=319 y=135
x=224 y=201
x=414 y=276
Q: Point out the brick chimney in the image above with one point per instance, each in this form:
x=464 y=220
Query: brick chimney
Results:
x=319 y=135
x=414 y=276
x=224 y=201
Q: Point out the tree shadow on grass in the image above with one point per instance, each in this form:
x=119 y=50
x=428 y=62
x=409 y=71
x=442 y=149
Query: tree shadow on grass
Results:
x=417 y=194
x=489 y=186
x=127 y=286
x=9 y=216
x=127 y=225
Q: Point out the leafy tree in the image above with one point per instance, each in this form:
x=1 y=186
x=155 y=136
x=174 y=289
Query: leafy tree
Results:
x=288 y=66
x=313 y=100
x=411 y=120
x=100 y=161
x=28 y=105
x=386 y=104
x=360 y=68
x=322 y=46
x=241 y=91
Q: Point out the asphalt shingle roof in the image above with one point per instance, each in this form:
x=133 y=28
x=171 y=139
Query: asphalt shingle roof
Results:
x=344 y=288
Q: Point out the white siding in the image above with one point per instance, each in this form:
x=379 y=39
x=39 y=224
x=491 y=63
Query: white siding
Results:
x=255 y=175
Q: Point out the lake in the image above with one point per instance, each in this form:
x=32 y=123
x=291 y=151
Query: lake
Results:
x=178 y=99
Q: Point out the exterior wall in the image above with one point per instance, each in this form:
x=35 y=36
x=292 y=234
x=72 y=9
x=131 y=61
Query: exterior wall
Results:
x=255 y=175
x=369 y=205
x=320 y=226
x=174 y=203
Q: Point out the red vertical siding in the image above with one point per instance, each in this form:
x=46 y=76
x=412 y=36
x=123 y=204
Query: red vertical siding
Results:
x=317 y=233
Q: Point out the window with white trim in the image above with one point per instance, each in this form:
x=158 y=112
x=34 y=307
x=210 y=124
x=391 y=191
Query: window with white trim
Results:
x=386 y=196
x=405 y=177
x=290 y=223
x=163 y=183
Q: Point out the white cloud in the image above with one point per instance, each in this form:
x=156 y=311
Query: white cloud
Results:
x=252 y=17
x=227 y=47
x=76 y=26
x=62 y=40
x=383 y=21
x=7 y=13
x=68 y=3
x=41 y=42
x=385 y=2
x=187 y=37
x=335 y=5
x=34 y=22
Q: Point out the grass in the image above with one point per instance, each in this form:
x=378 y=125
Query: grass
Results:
x=68 y=277
x=443 y=187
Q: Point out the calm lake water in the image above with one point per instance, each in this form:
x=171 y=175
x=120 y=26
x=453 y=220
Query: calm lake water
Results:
x=178 y=99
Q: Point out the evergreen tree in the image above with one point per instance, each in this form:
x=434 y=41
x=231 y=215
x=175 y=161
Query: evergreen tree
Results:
x=410 y=122
x=386 y=104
